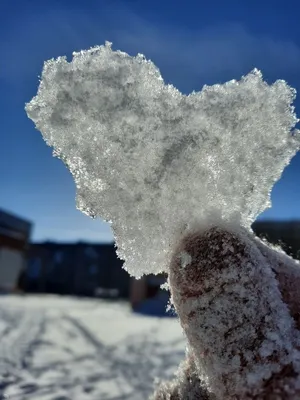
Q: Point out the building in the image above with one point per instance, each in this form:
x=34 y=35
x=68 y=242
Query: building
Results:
x=147 y=296
x=81 y=269
x=14 y=240
x=284 y=233
x=147 y=287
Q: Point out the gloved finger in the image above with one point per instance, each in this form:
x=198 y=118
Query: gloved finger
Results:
x=240 y=331
x=186 y=385
x=287 y=272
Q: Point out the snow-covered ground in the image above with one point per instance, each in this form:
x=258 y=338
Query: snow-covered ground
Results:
x=58 y=348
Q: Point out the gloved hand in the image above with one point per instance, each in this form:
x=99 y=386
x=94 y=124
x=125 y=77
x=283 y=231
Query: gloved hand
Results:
x=238 y=302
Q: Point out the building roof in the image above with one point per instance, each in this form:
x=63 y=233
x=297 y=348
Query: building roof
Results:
x=11 y=225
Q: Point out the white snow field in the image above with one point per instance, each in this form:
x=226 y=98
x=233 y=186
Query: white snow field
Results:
x=59 y=348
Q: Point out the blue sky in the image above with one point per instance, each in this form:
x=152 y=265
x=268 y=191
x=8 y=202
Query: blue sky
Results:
x=193 y=43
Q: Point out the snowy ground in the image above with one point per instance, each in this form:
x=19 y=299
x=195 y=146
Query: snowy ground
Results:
x=54 y=348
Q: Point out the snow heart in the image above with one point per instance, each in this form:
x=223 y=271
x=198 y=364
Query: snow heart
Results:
x=154 y=162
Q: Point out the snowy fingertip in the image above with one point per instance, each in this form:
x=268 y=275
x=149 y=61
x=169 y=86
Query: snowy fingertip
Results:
x=231 y=310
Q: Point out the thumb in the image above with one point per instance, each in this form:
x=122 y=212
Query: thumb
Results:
x=239 y=330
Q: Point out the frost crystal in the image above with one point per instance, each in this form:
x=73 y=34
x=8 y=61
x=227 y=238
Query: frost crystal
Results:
x=185 y=258
x=151 y=160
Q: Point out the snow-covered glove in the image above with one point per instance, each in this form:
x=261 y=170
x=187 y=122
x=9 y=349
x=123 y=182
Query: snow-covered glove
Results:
x=238 y=302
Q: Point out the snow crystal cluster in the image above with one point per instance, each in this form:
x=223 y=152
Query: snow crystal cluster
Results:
x=152 y=161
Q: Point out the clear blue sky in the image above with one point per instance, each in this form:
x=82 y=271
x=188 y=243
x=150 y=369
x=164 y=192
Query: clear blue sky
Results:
x=192 y=42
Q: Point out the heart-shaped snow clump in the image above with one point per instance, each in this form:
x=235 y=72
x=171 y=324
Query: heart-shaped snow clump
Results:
x=153 y=161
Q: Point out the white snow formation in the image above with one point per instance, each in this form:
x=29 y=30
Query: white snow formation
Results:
x=152 y=161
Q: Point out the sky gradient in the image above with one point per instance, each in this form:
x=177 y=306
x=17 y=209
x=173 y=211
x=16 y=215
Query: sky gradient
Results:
x=192 y=44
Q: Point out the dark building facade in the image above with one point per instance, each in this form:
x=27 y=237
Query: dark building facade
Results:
x=77 y=269
x=14 y=241
x=283 y=233
x=94 y=270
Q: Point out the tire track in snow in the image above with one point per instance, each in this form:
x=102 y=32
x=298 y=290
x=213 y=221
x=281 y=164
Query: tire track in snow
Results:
x=20 y=331
x=134 y=363
x=47 y=353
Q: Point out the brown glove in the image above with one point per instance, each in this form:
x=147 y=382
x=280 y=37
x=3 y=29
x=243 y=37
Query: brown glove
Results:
x=238 y=302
